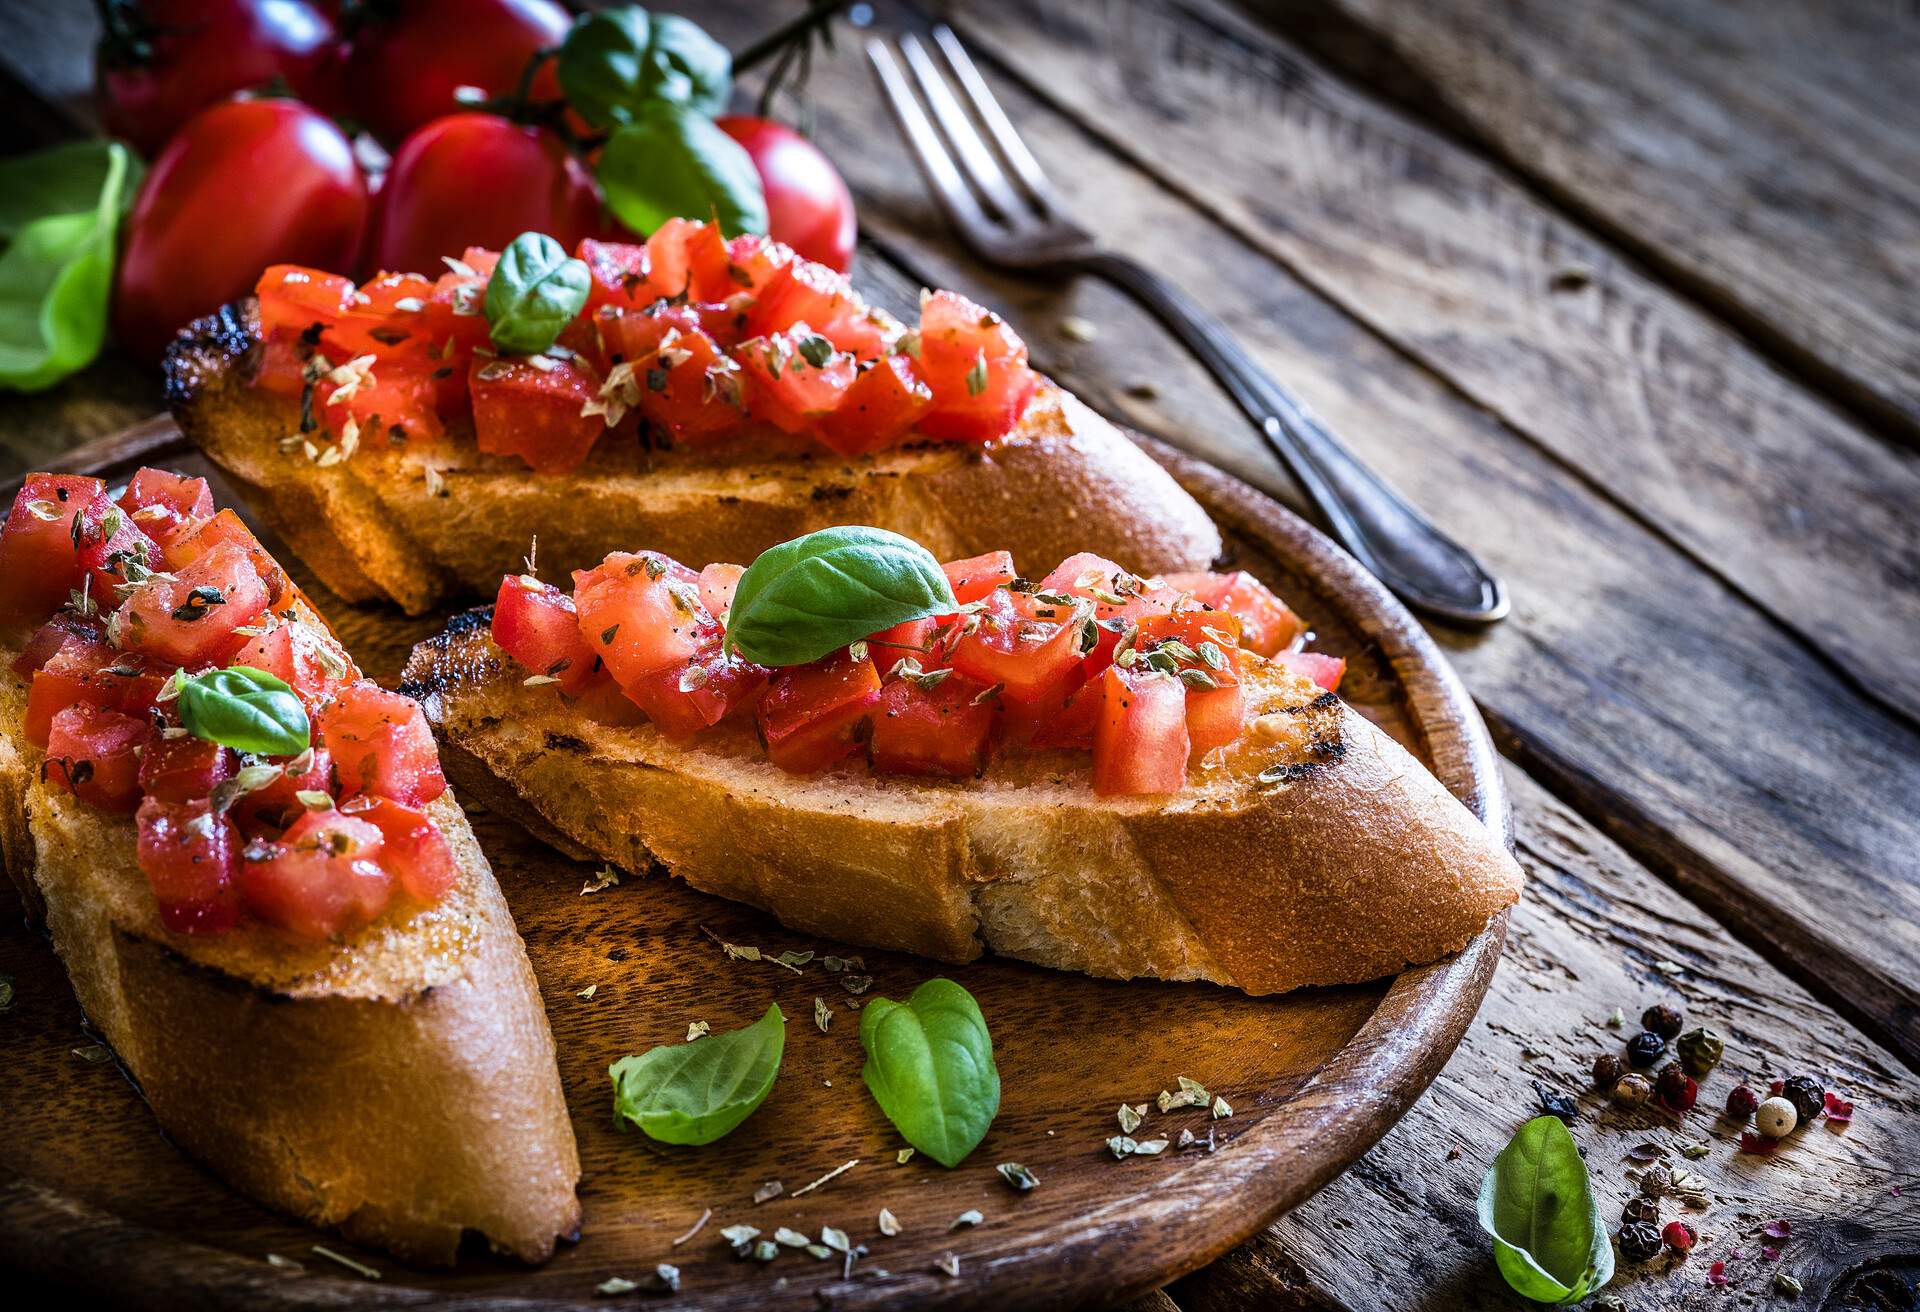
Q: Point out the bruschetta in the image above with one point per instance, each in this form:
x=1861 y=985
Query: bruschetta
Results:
x=710 y=397
x=266 y=898
x=1098 y=771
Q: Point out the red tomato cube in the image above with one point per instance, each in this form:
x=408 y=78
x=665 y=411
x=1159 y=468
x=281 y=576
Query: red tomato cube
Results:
x=1140 y=744
x=385 y=318
x=380 y=744
x=182 y=768
x=293 y=298
x=1075 y=723
x=92 y=753
x=794 y=378
x=305 y=659
x=814 y=715
x=534 y=411
x=39 y=563
x=718 y=583
x=412 y=848
x=183 y=499
x=619 y=272
x=1322 y=669
x=87 y=670
x=321 y=879
x=976 y=367
x=944 y=730
x=976 y=577
x=1029 y=658
x=276 y=806
x=225 y=526
x=536 y=624
x=880 y=409
x=687 y=260
x=113 y=550
x=642 y=614
x=681 y=700
x=813 y=294
x=393 y=401
x=1267 y=624
x=188 y=855
x=919 y=641
x=756 y=263
x=189 y=618
x=50 y=637
x=681 y=380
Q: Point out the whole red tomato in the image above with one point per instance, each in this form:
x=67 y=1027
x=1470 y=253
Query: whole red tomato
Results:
x=409 y=57
x=808 y=205
x=478 y=180
x=244 y=184
x=160 y=62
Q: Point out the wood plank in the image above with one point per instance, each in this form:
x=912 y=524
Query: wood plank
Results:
x=1399 y=1229
x=1689 y=723
x=1790 y=124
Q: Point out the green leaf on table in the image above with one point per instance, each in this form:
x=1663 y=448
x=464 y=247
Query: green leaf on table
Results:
x=534 y=292
x=615 y=63
x=694 y=1093
x=246 y=709
x=805 y=598
x=59 y=210
x=1538 y=1205
x=672 y=162
x=930 y=1067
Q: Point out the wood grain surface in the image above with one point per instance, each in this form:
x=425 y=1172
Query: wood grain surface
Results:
x=1313 y=1078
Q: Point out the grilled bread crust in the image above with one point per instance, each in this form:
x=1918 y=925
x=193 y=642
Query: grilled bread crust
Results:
x=1346 y=862
x=372 y=527
x=399 y=1087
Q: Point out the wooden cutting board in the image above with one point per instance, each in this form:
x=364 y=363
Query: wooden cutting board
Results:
x=92 y=1197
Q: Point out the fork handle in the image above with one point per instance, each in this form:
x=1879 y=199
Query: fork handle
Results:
x=1403 y=549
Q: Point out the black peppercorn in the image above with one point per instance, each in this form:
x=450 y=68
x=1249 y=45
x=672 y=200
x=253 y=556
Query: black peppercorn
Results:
x=1640 y=1241
x=1806 y=1095
x=1640 y=1208
x=1557 y=1104
x=1655 y=1181
x=1662 y=1020
x=1607 y=1070
x=1644 y=1049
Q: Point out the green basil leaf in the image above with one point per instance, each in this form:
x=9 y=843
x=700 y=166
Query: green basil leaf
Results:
x=59 y=209
x=695 y=1092
x=246 y=709
x=805 y=598
x=1538 y=1205
x=930 y=1067
x=616 y=62
x=534 y=292
x=672 y=162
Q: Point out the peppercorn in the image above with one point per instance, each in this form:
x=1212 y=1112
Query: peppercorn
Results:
x=1607 y=1070
x=1632 y=1090
x=1639 y=1241
x=1807 y=1097
x=1655 y=1181
x=1675 y=1088
x=1662 y=1020
x=1776 y=1118
x=1640 y=1208
x=1741 y=1102
x=1557 y=1104
x=1680 y=1236
x=1644 y=1049
x=1700 y=1051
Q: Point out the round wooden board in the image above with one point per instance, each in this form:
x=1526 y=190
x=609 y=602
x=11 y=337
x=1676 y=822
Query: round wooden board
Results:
x=96 y=1200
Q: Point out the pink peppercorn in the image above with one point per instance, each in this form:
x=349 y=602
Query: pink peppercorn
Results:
x=1679 y=1236
x=1742 y=1102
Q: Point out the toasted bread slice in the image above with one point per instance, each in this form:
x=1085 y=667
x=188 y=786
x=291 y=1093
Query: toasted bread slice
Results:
x=373 y=528
x=1315 y=850
x=400 y=1086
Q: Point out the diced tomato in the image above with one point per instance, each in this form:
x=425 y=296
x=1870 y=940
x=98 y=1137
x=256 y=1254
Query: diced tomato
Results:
x=1140 y=744
x=813 y=715
x=381 y=744
x=395 y=400
x=681 y=700
x=520 y=409
x=794 y=378
x=182 y=768
x=717 y=585
x=1322 y=669
x=814 y=294
x=1022 y=720
x=536 y=624
x=86 y=670
x=50 y=637
x=322 y=878
x=688 y=260
x=1075 y=724
x=226 y=526
x=879 y=410
x=976 y=367
x=278 y=804
x=293 y=298
x=187 y=498
x=92 y=752
x=281 y=368
x=920 y=641
x=1115 y=593
x=112 y=549
x=619 y=272
x=1030 y=659
x=305 y=659
x=1215 y=717
x=385 y=318
x=681 y=380
x=944 y=730
x=189 y=617
x=455 y=320
x=972 y=579
x=413 y=849
x=1195 y=629
x=188 y=856
x=642 y=614
x=756 y=264
x=38 y=562
x=1267 y=623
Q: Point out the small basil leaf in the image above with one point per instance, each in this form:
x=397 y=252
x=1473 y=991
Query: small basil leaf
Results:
x=246 y=709
x=1538 y=1205
x=672 y=162
x=805 y=598
x=616 y=62
x=695 y=1092
x=58 y=212
x=930 y=1067
x=534 y=292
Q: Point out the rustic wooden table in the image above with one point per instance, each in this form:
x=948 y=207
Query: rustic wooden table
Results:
x=1626 y=296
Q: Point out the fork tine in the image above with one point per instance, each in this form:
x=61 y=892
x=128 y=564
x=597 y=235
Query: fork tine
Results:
x=987 y=109
x=978 y=161
x=949 y=188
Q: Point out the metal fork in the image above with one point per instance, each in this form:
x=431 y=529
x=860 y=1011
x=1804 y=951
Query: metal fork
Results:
x=995 y=194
